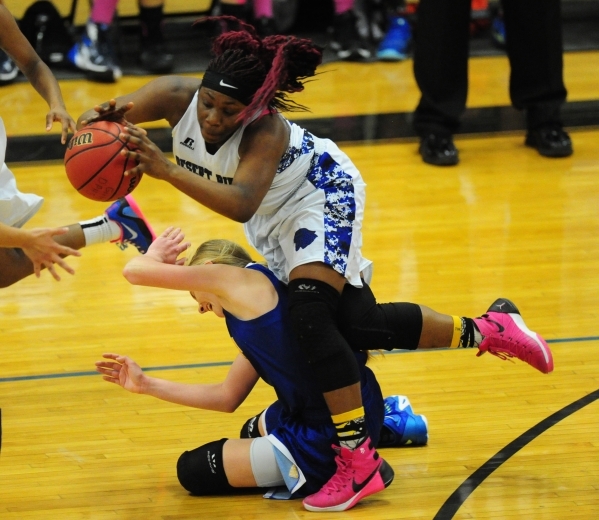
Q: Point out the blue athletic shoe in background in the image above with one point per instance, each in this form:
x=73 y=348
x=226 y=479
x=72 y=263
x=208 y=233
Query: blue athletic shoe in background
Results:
x=394 y=46
x=401 y=426
x=135 y=228
x=498 y=31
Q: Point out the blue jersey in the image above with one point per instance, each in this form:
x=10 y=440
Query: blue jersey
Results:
x=299 y=419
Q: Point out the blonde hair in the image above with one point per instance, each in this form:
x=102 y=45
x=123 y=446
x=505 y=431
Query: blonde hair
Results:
x=221 y=251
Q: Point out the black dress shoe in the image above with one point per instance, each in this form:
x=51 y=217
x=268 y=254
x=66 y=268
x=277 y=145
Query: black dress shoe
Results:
x=438 y=150
x=550 y=141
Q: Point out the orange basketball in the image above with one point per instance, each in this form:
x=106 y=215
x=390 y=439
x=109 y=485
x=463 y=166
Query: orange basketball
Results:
x=94 y=164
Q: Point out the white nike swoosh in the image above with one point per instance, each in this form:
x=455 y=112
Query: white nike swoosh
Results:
x=223 y=84
x=133 y=233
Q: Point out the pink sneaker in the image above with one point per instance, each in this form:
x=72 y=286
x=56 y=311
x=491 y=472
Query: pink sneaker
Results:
x=360 y=473
x=505 y=335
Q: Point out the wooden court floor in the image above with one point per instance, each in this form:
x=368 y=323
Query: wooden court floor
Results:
x=506 y=442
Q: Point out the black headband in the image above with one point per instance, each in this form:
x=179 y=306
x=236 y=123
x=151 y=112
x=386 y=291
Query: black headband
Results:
x=228 y=86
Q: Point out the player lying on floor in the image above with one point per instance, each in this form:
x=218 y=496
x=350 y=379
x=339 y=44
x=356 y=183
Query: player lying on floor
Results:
x=296 y=431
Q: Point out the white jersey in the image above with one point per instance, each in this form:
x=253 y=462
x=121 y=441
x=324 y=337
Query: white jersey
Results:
x=16 y=208
x=313 y=210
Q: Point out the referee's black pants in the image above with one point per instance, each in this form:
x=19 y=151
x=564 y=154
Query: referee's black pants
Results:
x=534 y=48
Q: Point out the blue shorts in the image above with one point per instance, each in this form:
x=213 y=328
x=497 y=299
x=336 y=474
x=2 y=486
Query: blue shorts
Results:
x=309 y=443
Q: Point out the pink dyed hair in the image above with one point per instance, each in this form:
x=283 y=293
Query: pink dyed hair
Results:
x=273 y=66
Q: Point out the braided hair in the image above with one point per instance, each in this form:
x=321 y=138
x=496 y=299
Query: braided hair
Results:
x=268 y=68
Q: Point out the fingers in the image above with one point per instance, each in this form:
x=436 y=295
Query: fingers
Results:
x=65 y=132
x=65 y=266
x=133 y=134
x=176 y=235
x=172 y=232
x=135 y=128
x=105 y=366
x=105 y=108
x=133 y=171
x=110 y=355
x=52 y=271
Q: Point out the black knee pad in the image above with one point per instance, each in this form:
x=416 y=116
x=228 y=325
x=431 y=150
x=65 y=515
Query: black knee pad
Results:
x=313 y=310
x=368 y=325
x=201 y=471
x=250 y=429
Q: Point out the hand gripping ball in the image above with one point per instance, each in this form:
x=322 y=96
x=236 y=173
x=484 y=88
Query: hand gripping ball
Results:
x=94 y=164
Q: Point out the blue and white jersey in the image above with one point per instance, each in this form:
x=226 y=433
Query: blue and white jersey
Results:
x=190 y=152
x=313 y=210
x=298 y=423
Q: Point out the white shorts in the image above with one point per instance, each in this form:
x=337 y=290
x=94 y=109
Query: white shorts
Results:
x=321 y=222
x=16 y=208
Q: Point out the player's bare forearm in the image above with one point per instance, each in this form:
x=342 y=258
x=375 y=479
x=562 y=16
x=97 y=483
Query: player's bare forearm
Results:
x=229 y=200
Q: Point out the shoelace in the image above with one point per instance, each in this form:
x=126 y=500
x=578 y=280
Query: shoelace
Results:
x=341 y=478
x=501 y=353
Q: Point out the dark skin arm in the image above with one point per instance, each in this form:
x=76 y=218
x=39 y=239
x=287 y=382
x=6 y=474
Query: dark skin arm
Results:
x=36 y=71
x=263 y=144
x=163 y=98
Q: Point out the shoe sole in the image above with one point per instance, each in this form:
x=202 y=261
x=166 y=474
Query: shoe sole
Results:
x=391 y=56
x=133 y=204
x=567 y=152
x=440 y=162
x=10 y=76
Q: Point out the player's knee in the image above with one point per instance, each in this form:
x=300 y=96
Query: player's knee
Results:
x=201 y=471
x=368 y=325
x=313 y=309
x=313 y=306
x=251 y=429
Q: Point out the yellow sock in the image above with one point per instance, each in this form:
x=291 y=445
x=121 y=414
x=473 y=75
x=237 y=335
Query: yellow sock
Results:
x=457 y=332
x=351 y=428
x=348 y=416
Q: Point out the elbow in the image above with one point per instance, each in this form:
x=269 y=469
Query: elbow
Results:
x=231 y=404
x=230 y=407
x=242 y=215
x=242 y=219
x=131 y=275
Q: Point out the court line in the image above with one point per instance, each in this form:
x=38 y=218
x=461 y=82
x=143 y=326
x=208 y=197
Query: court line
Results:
x=226 y=363
x=461 y=494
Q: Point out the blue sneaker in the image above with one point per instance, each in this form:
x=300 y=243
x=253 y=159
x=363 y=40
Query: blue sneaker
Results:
x=135 y=228
x=394 y=46
x=498 y=31
x=93 y=54
x=401 y=426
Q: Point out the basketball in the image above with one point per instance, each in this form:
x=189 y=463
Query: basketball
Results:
x=94 y=164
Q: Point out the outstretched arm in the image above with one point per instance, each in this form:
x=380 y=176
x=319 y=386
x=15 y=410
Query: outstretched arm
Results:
x=37 y=72
x=221 y=397
x=39 y=246
x=245 y=293
x=162 y=98
x=263 y=144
